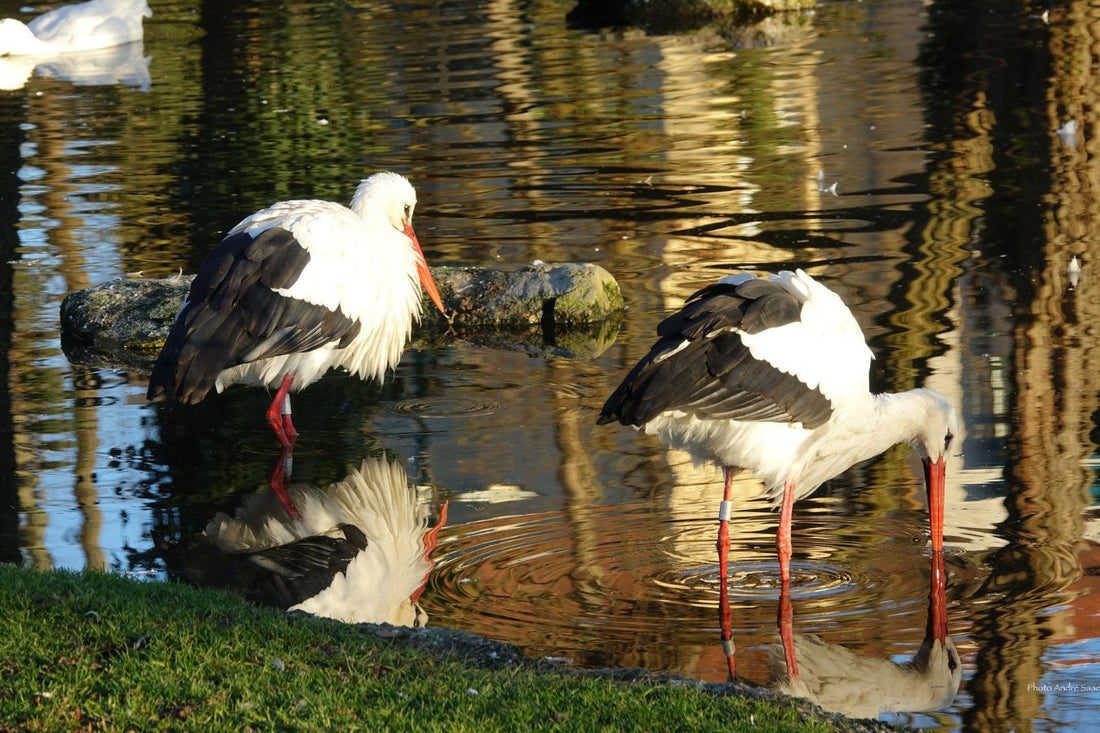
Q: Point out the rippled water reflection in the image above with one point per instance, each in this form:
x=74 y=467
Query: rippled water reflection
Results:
x=608 y=580
x=904 y=153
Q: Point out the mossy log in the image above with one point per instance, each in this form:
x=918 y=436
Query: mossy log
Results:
x=572 y=309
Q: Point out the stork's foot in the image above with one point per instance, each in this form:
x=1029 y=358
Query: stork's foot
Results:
x=279 y=475
x=725 y=614
x=278 y=413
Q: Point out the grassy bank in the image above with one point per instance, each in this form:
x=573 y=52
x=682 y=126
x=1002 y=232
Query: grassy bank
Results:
x=100 y=652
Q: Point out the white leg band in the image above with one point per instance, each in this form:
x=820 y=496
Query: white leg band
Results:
x=725 y=510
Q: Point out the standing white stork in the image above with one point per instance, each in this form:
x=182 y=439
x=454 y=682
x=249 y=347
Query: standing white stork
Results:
x=74 y=28
x=296 y=289
x=771 y=375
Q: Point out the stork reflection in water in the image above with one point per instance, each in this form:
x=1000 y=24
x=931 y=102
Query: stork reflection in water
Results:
x=360 y=551
x=840 y=681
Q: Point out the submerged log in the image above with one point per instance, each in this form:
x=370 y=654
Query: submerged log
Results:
x=680 y=16
x=572 y=309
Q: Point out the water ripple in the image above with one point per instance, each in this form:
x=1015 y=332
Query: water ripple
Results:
x=440 y=407
x=594 y=581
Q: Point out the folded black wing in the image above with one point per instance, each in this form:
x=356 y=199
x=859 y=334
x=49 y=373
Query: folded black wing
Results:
x=701 y=366
x=233 y=315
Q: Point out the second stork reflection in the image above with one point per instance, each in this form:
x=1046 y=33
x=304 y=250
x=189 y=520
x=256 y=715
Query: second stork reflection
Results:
x=858 y=686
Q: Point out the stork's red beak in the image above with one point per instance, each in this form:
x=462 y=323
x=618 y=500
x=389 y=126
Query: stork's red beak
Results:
x=937 y=600
x=935 y=477
x=423 y=272
x=431 y=539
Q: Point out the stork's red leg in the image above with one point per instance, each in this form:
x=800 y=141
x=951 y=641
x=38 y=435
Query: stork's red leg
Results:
x=786 y=631
x=783 y=536
x=725 y=615
x=279 y=475
x=278 y=413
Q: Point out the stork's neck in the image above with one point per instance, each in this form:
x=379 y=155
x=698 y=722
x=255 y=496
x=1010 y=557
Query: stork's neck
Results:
x=879 y=422
x=898 y=415
x=862 y=427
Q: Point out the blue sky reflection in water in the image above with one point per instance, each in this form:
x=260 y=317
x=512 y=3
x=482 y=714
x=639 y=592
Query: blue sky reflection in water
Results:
x=904 y=153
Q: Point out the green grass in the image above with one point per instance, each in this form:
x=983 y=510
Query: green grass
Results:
x=92 y=651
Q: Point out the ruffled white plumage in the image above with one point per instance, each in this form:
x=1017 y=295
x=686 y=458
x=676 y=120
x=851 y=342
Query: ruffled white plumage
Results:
x=384 y=296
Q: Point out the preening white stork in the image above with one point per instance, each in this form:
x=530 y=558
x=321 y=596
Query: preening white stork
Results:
x=296 y=289
x=74 y=28
x=771 y=375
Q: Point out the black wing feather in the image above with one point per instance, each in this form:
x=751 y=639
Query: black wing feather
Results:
x=700 y=364
x=233 y=315
x=281 y=576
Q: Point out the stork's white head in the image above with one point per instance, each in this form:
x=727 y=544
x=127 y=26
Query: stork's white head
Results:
x=935 y=430
x=386 y=194
x=17 y=39
x=937 y=427
x=390 y=197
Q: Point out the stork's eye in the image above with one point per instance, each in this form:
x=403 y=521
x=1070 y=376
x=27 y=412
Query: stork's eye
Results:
x=947 y=441
x=408 y=212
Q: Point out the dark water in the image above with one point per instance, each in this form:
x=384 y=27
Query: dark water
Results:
x=670 y=161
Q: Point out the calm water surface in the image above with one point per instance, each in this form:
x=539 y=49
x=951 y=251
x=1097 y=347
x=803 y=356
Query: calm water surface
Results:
x=670 y=161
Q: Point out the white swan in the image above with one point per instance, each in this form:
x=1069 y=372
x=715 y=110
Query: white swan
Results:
x=126 y=64
x=71 y=28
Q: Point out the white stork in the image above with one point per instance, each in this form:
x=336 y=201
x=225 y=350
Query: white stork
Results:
x=771 y=375
x=294 y=290
x=74 y=28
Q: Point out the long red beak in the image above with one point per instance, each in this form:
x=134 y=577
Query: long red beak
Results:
x=423 y=272
x=937 y=600
x=935 y=477
x=431 y=539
